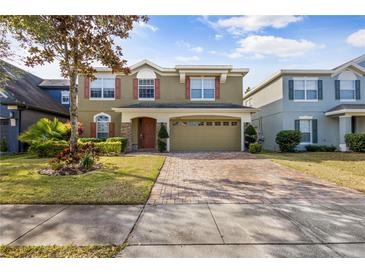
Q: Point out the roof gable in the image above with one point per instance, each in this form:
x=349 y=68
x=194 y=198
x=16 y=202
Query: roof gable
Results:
x=22 y=88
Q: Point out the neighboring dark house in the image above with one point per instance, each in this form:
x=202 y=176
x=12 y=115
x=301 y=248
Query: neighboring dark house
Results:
x=22 y=103
x=58 y=89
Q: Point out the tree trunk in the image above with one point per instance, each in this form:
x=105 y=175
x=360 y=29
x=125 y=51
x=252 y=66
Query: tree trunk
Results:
x=73 y=112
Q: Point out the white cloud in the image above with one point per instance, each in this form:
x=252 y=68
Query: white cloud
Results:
x=187 y=59
x=238 y=25
x=197 y=49
x=257 y=46
x=218 y=37
x=150 y=27
x=357 y=39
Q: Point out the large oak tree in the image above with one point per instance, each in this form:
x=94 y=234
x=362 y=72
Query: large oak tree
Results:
x=76 y=42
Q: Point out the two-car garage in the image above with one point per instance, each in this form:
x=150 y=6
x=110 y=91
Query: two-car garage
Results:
x=201 y=134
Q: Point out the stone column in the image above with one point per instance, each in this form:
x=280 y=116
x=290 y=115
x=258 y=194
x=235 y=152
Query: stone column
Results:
x=126 y=131
x=345 y=126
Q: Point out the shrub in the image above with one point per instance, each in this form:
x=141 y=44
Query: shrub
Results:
x=3 y=145
x=162 y=133
x=161 y=146
x=355 y=141
x=43 y=130
x=255 y=148
x=316 y=148
x=92 y=140
x=288 y=140
x=250 y=135
x=123 y=140
x=48 y=148
x=87 y=161
x=162 y=136
x=109 y=147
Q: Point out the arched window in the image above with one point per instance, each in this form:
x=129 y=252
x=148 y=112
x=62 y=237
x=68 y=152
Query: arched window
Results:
x=102 y=121
x=146 y=84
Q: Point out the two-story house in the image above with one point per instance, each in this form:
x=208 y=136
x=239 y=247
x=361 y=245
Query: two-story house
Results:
x=323 y=104
x=201 y=106
x=22 y=103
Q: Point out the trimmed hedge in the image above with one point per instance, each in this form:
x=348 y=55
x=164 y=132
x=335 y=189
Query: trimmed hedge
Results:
x=92 y=140
x=48 y=148
x=355 y=141
x=254 y=148
x=122 y=141
x=317 y=148
x=109 y=147
x=288 y=140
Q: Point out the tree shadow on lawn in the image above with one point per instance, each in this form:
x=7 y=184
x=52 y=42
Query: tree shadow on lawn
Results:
x=316 y=157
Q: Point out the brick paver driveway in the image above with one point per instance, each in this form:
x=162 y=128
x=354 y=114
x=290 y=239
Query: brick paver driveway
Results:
x=236 y=177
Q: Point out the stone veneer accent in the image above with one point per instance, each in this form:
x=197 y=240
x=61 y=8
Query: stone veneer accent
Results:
x=126 y=131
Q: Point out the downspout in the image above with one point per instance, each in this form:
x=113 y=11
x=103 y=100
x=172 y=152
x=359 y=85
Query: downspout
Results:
x=19 y=129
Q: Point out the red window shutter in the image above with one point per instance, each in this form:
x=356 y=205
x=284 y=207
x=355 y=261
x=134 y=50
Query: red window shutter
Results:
x=135 y=88
x=117 y=87
x=157 y=88
x=217 y=91
x=86 y=87
x=187 y=88
x=93 y=130
x=111 y=129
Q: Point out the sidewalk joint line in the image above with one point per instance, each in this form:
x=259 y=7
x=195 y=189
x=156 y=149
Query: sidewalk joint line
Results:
x=220 y=234
x=38 y=225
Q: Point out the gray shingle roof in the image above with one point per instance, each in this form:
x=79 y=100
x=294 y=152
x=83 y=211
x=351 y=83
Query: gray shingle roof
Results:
x=21 y=88
x=185 y=105
x=347 y=106
x=55 y=83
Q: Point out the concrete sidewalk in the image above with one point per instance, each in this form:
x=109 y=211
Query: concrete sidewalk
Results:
x=247 y=230
x=66 y=224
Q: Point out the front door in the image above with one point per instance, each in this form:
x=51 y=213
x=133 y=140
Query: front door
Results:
x=147 y=133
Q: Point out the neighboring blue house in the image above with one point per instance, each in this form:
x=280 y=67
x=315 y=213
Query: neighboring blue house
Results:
x=323 y=104
x=23 y=103
x=58 y=89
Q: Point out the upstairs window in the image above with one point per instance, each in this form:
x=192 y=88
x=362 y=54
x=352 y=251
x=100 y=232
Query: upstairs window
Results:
x=103 y=88
x=305 y=90
x=347 y=90
x=65 y=97
x=202 y=88
x=146 y=89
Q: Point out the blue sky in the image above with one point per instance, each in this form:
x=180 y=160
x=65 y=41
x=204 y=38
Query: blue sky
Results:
x=264 y=44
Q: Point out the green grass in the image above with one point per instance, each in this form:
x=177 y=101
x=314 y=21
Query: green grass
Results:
x=345 y=169
x=121 y=180
x=59 y=251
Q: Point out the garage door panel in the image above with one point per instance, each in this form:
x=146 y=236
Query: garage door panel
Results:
x=187 y=137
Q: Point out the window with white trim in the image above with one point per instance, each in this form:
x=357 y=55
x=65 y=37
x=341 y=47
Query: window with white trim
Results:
x=65 y=97
x=305 y=127
x=347 y=90
x=305 y=90
x=103 y=88
x=146 y=89
x=202 y=88
x=102 y=126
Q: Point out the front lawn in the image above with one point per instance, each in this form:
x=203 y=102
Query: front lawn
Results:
x=59 y=251
x=122 y=180
x=345 y=169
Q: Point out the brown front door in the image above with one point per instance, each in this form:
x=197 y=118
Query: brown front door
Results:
x=147 y=133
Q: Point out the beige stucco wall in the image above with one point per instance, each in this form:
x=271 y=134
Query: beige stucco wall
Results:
x=268 y=94
x=88 y=116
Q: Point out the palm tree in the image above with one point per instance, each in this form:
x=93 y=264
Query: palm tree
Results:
x=43 y=130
